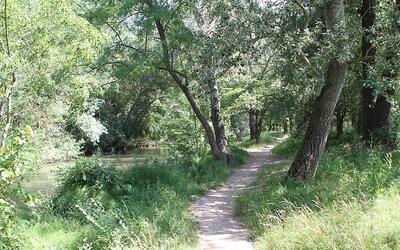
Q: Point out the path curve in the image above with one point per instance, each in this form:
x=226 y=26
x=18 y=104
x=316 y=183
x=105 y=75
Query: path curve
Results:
x=219 y=229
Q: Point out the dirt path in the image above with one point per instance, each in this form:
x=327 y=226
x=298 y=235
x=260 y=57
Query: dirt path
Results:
x=219 y=229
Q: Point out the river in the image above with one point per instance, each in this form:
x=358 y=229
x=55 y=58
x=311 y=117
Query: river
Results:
x=43 y=181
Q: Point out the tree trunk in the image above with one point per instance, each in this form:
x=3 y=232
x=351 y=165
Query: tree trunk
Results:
x=305 y=164
x=270 y=126
x=285 y=127
x=179 y=80
x=9 y=91
x=258 y=126
x=8 y=116
x=339 y=125
x=216 y=118
x=375 y=107
x=252 y=125
x=375 y=120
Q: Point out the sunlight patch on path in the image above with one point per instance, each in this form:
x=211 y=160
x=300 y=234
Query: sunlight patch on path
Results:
x=219 y=229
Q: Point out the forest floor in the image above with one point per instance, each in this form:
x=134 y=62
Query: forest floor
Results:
x=219 y=229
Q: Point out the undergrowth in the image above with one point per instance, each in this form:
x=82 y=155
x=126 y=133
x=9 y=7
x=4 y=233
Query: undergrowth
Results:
x=351 y=203
x=266 y=137
x=98 y=206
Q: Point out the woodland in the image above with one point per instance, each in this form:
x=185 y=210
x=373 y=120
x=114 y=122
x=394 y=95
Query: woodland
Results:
x=87 y=86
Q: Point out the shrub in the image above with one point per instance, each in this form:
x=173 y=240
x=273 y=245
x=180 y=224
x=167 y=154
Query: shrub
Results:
x=141 y=207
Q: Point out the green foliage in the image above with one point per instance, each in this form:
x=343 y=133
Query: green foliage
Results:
x=344 y=207
x=266 y=137
x=143 y=206
x=12 y=164
x=288 y=147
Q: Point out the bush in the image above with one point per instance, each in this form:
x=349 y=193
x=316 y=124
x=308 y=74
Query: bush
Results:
x=81 y=181
x=12 y=162
x=141 y=207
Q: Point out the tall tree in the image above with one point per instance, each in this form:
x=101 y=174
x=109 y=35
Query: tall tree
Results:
x=375 y=105
x=305 y=164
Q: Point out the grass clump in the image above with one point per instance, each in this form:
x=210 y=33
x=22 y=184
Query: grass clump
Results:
x=99 y=206
x=351 y=203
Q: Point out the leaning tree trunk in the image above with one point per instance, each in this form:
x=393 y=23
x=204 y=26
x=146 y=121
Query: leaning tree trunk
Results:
x=305 y=164
x=216 y=118
x=179 y=80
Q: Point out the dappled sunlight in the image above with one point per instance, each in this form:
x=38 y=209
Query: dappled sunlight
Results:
x=215 y=210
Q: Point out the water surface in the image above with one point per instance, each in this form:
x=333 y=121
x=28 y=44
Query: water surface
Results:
x=44 y=180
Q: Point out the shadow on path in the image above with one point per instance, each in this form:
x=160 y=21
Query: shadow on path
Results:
x=219 y=229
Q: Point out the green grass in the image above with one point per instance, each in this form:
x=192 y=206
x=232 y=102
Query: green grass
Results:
x=99 y=206
x=265 y=138
x=351 y=204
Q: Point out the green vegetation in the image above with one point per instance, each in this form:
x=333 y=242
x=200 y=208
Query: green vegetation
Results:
x=145 y=206
x=351 y=203
x=101 y=78
x=265 y=137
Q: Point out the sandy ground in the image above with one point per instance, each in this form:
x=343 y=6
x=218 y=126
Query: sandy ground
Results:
x=219 y=229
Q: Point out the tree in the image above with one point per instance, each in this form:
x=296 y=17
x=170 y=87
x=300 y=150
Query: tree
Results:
x=179 y=27
x=306 y=161
x=377 y=89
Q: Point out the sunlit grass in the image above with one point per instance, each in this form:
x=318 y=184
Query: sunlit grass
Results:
x=351 y=204
x=265 y=138
x=100 y=206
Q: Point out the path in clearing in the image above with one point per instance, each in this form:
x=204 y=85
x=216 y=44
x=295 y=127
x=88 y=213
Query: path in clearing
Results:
x=219 y=229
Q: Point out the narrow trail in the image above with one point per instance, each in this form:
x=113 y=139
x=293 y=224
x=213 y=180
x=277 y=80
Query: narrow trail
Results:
x=219 y=229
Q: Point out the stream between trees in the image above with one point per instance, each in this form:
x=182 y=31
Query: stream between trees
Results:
x=43 y=181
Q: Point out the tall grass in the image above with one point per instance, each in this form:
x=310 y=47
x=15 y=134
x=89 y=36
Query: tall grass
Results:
x=98 y=206
x=351 y=203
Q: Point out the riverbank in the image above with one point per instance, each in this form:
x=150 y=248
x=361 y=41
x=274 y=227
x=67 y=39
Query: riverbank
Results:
x=43 y=180
x=100 y=206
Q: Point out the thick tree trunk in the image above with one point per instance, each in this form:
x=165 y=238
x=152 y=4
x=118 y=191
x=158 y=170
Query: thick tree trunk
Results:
x=375 y=120
x=216 y=118
x=375 y=108
x=305 y=164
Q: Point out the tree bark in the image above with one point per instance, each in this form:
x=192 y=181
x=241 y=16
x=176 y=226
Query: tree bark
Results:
x=216 y=118
x=375 y=107
x=285 y=126
x=305 y=164
x=252 y=125
x=339 y=125
x=258 y=126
